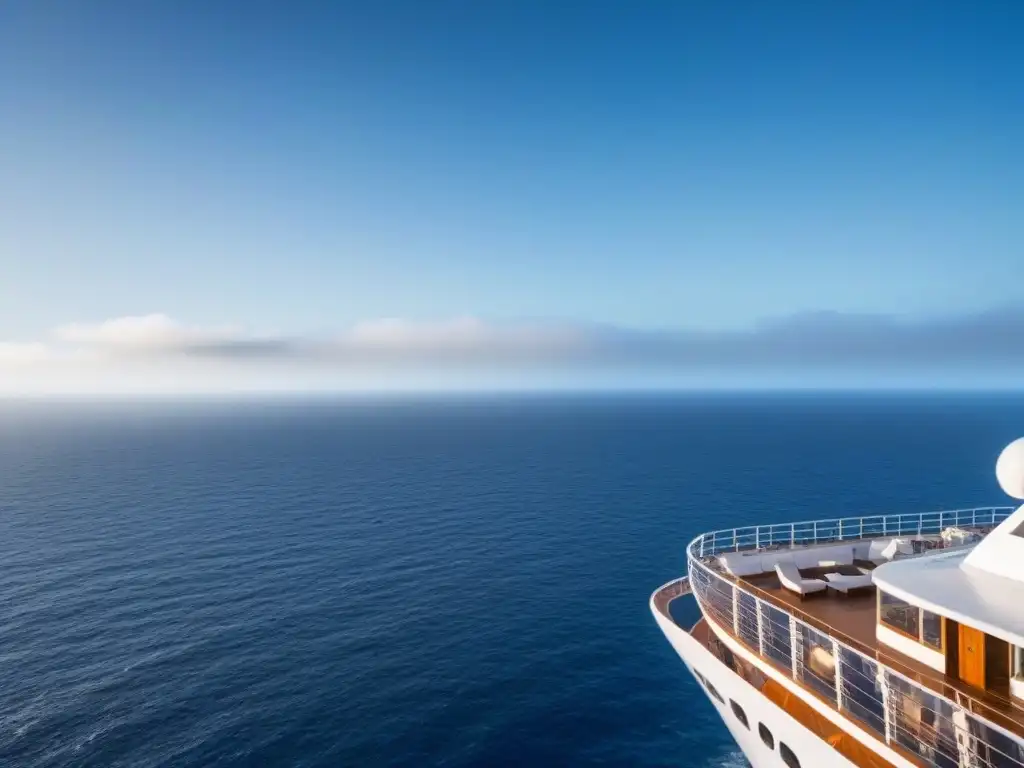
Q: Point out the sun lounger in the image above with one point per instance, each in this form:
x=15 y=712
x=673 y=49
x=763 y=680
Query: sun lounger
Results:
x=790 y=578
x=843 y=583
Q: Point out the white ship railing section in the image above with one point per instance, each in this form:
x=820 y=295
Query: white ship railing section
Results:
x=898 y=710
x=843 y=529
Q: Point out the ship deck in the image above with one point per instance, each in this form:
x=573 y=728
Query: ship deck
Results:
x=853 y=616
x=852 y=619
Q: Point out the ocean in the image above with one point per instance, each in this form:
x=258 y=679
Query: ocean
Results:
x=422 y=582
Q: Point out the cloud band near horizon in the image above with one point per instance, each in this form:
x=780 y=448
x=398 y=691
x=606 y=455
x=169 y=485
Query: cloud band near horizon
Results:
x=828 y=340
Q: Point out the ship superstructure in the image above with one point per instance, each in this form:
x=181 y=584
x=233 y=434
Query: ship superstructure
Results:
x=891 y=640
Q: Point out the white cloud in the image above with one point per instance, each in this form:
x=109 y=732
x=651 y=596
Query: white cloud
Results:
x=157 y=348
x=15 y=354
x=460 y=338
x=154 y=332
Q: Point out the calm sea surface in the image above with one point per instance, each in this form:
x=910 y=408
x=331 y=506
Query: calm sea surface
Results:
x=439 y=582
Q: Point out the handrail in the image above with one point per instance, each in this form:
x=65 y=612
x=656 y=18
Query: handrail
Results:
x=703 y=580
x=845 y=529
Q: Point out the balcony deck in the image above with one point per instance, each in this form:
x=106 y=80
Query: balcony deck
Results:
x=852 y=616
x=852 y=619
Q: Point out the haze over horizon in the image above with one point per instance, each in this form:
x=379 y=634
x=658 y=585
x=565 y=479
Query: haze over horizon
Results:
x=226 y=198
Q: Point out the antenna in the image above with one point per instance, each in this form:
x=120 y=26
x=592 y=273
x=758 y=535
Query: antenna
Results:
x=1010 y=469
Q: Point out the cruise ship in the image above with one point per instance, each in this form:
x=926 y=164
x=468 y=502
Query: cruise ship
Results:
x=892 y=640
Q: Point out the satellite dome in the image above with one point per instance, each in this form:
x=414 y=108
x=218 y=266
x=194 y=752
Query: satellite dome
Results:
x=1010 y=469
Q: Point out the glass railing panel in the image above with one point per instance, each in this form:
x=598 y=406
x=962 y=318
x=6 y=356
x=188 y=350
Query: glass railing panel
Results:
x=747 y=620
x=714 y=594
x=816 y=662
x=775 y=637
x=922 y=722
x=862 y=690
x=994 y=747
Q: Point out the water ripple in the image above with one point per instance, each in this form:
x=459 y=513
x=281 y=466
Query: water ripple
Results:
x=436 y=583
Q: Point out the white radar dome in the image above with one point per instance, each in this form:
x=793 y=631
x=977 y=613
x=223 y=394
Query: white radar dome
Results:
x=1010 y=469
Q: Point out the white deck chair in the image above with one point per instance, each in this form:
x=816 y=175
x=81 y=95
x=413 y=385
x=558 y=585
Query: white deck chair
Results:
x=843 y=583
x=791 y=579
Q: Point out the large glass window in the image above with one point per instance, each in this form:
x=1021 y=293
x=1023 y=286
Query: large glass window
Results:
x=931 y=629
x=899 y=615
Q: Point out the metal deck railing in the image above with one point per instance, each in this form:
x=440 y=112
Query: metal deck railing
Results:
x=845 y=529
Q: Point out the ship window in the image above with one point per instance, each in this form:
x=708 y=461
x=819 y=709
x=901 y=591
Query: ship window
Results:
x=714 y=692
x=740 y=714
x=931 y=629
x=766 y=736
x=787 y=756
x=899 y=614
x=1018 y=662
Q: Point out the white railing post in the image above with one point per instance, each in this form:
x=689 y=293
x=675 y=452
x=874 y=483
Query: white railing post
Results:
x=861 y=528
x=839 y=674
x=974 y=518
x=735 y=611
x=794 y=652
x=815 y=531
x=887 y=705
x=760 y=627
x=792 y=534
x=966 y=744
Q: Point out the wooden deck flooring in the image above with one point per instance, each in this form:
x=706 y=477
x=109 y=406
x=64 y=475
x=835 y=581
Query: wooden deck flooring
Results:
x=851 y=615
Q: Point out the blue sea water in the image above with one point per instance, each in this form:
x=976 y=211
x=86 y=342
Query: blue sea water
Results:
x=401 y=583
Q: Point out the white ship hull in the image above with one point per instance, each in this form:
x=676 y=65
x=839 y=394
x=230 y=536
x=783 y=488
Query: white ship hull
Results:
x=809 y=748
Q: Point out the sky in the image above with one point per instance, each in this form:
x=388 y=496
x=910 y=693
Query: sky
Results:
x=203 y=196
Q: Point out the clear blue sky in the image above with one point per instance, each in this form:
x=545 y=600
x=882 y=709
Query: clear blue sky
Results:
x=654 y=165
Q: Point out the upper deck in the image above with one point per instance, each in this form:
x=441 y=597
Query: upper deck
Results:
x=828 y=643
